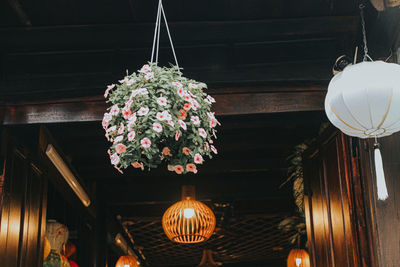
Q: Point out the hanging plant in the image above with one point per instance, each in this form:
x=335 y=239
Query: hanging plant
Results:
x=158 y=115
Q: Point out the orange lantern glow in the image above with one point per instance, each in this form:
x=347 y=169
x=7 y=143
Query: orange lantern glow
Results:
x=127 y=261
x=189 y=220
x=47 y=248
x=298 y=258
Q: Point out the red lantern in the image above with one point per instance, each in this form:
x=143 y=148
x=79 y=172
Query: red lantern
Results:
x=298 y=258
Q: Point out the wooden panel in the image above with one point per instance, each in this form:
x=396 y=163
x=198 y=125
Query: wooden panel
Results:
x=336 y=221
x=23 y=209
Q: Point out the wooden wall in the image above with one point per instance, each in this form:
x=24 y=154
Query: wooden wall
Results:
x=23 y=209
x=334 y=205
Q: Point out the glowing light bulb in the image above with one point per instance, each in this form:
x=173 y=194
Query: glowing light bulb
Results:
x=298 y=262
x=188 y=213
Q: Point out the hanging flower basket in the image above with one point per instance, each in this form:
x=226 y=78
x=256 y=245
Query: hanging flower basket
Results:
x=158 y=115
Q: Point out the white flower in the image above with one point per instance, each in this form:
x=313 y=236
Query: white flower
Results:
x=167 y=116
x=143 y=111
x=182 y=124
x=114 y=159
x=107 y=117
x=134 y=93
x=198 y=159
x=114 y=110
x=177 y=84
x=193 y=86
x=121 y=128
x=149 y=76
x=195 y=120
x=146 y=68
x=162 y=101
x=157 y=127
x=180 y=92
x=109 y=88
x=112 y=129
x=146 y=143
x=202 y=133
x=131 y=135
x=160 y=116
x=214 y=149
x=195 y=104
x=143 y=91
x=171 y=123
x=130 y=82
x=132 y=118
x=123 y=80
x=211 y=99
x=118 y=139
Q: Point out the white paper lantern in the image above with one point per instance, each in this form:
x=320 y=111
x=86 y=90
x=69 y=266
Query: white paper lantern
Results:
x=364 y=99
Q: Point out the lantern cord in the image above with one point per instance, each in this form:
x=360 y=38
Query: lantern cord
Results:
x=364 y=33
x=156 y=39
x=380 y=175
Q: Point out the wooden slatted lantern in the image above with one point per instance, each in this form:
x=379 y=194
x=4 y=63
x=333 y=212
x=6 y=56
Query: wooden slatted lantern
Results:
x=127 y=261
x=188 y=221
x=298 y=258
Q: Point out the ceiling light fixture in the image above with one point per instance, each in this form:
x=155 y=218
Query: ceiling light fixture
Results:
x=69 y=177
x=128 y=260
x=188 y=221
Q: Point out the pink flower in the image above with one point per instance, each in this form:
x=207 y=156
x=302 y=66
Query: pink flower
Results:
x=104 y=124
x=146 y=143
x=131 y=135
x=114 y=110
x=187 y=96
x=143 y=111
x=193 y=86
x=206 y=146
x=180 y=92
x=198 y=159
x=138 y=165
x=195 y=120
x=149 y=76
x=211 y=99
x=182 y=124
x=128 y=104
x=109 y=88
x=187 y=106
x=132 y=118
x=162 y=101
x=160 y=116
x=126 y=112
x=107 y=117
x=186 y=151
x=121 y=128
x=195 y=104
x=120 y=148
x=114 y=159
x=146 y=68
x=166 y=151
x=213 y=123
x=202 y=133
x=157 y=127
x=214 y=149
x=177 y=84
x=171 y=123
x=177 y=135
x=118 y=139
x=191 y=168
x=178 y=169
x=143 y=91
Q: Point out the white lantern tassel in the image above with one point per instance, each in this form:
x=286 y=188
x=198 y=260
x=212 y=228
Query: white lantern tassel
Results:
x=380 y=175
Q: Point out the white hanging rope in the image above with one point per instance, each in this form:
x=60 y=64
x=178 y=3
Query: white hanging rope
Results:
x=380 y=175
x=156 y=30
x=156 y=39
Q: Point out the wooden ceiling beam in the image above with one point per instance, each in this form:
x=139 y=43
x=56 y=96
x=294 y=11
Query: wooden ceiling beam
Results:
x=84 y=109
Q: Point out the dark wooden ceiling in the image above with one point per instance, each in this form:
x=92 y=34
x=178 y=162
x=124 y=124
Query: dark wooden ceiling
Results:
x=73 y=48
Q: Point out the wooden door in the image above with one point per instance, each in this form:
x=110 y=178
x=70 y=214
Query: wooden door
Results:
x=23 y=207
x=335 y=216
